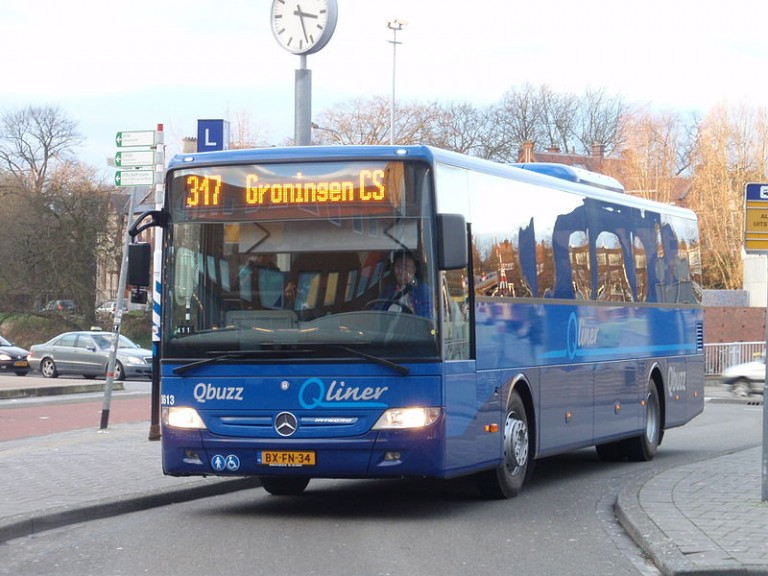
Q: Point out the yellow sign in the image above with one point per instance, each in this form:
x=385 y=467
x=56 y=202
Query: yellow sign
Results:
x=757 y=220
x=756 y=244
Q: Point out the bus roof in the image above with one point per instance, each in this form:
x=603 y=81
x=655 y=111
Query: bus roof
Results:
x=574 y=174
x=559 y=176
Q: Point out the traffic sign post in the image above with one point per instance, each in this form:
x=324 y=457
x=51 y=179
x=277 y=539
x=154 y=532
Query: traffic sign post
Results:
x=143 y=167
x=756 y=242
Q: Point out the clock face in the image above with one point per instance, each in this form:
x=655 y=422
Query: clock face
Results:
x=303 y=26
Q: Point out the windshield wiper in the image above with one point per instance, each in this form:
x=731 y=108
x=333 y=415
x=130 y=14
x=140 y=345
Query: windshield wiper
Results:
x=179 y=370
x=399 y=368
x=220 y=356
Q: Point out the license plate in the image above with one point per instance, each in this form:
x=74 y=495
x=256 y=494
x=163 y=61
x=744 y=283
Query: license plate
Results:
x=21 y=364
x=286 y=458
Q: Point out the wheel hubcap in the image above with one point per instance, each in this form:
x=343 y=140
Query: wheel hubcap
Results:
x=651 y=415
x=515 y=444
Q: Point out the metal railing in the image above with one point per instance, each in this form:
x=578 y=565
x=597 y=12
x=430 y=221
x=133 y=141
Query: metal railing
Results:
x=720 y=356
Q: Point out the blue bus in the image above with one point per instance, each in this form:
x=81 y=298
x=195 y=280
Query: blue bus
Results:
x=543 y=311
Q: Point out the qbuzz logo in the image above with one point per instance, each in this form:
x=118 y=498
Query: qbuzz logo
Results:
x=203 y=392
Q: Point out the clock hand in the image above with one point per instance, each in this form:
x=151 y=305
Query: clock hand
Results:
x=301 y=15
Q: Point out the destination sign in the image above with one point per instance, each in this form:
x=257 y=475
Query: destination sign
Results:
x=207 y=191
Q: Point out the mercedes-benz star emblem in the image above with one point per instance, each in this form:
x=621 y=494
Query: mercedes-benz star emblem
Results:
x=286 y=424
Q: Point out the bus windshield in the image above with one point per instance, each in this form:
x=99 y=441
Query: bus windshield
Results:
x=293 y=260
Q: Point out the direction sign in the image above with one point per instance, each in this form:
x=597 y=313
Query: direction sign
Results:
x=134 y=177
x=137 y=138
x=756 y=218
x=135 y=158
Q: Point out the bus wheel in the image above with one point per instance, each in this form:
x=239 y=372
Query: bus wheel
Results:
x=643 y=448
x=284 y=485
x=508 y=478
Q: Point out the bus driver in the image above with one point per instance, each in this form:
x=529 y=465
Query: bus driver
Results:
x=406 y=293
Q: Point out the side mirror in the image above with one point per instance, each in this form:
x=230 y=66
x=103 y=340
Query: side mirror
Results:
x=139 y=258
x=451 y=242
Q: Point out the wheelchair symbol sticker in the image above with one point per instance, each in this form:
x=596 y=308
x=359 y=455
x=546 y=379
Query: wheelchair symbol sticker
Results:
x=230 y=463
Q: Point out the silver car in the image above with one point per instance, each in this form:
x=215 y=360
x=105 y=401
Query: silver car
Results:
x=87 y=353
x=747 y=378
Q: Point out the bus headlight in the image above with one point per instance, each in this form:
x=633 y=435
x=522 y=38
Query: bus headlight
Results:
x=182 y=417
x=402 y=418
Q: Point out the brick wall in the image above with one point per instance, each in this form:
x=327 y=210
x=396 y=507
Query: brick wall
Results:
x=733 y=324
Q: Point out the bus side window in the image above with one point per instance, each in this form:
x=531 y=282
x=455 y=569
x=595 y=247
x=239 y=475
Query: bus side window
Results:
x=455 y=310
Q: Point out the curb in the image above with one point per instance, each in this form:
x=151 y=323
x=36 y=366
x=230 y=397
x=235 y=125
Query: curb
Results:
x=56 y=390
x=27 y=524
x=662 y=550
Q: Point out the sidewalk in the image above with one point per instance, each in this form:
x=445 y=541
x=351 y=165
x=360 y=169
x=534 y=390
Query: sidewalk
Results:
x=703 y=518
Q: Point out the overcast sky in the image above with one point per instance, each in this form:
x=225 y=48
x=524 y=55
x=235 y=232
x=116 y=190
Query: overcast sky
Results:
x=119 y=66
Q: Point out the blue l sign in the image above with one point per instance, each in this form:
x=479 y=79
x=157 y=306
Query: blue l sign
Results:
x=212 y=135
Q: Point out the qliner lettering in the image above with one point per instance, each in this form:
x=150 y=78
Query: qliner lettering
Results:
x=369 y=188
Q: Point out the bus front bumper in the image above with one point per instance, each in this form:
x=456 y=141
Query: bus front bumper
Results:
x=377 y=454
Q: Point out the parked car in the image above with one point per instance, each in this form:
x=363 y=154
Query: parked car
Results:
x=746 y=379
x=87 y=353
x=106 y=308
x=59 y=306
x=13 y=358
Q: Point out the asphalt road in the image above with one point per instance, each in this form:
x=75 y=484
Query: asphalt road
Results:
x=562 y=523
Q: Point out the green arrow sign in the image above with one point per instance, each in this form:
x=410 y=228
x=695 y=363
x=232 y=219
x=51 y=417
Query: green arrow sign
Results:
x=135 y=158
x=134 y=177
x=138 y=138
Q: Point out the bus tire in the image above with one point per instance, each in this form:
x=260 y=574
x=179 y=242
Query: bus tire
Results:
x=506 y=480
x=643 y=448
x=284 y=485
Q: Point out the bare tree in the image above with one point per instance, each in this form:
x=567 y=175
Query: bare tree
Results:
x=516 y=119
x=464 y=128
x=730 y=151
x=559 y=115
x=368 y=122
x=54 y=211
x=243 y=134
x=654 y=145
x=33 y=139
x=354 y=122
x=600 y=120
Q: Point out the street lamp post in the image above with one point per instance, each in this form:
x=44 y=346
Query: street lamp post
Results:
x=336 y=136
x=394 y=25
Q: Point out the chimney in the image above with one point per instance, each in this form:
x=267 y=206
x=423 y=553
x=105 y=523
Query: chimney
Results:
x=526 y=152
x=188 y=144
x=554 y=149
x=598 y=150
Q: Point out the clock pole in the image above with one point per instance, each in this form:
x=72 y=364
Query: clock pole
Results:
x=303 y=27
x=303 y=112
